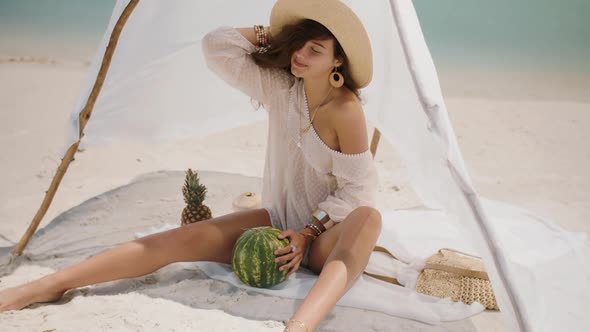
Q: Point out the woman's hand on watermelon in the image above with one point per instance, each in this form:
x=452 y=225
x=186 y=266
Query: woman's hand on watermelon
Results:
x=285 y=254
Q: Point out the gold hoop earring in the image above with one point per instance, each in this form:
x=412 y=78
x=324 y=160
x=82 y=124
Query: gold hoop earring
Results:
x=336 y=79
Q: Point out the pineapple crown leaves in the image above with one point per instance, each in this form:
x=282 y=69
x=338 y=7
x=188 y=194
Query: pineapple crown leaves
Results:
x=194 y=193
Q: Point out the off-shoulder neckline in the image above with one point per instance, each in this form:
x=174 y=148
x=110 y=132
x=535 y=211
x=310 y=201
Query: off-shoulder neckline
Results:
x=317 y=136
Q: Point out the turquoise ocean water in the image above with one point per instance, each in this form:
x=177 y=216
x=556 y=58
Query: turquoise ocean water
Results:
x=544 y=34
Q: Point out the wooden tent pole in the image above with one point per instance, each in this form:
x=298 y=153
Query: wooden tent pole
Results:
x=83 y=120
x=375 y=141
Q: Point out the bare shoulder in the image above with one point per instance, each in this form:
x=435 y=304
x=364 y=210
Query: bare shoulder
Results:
x=348 y=120
x=348 y=105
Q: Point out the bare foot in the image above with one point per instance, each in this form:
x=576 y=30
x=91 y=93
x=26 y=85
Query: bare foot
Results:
x=22 y=296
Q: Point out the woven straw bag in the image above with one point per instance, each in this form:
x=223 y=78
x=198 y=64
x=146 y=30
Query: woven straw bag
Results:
x=452 y=274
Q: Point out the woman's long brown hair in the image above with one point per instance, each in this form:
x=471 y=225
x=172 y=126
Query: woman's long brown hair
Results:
x=293 y=37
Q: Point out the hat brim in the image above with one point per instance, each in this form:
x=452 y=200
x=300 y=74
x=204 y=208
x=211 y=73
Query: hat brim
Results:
x=340 y=20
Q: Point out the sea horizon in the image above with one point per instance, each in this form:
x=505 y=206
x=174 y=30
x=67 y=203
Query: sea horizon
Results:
x=533 y=39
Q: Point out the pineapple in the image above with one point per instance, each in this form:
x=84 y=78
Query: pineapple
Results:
x=194 y=195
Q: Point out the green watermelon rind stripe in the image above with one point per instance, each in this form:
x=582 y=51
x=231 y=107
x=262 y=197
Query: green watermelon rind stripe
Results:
x=249 y=268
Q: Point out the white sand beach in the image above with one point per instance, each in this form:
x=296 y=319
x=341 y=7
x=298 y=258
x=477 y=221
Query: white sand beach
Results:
x=524 y=140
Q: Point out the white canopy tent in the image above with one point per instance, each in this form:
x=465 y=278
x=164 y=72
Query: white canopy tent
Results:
x=157 y=87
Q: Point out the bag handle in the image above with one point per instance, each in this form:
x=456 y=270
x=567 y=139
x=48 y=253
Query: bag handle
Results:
x=479 y=273
x=388 y=279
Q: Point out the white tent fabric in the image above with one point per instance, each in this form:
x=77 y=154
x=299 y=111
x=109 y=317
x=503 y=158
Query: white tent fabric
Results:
x=158 y=88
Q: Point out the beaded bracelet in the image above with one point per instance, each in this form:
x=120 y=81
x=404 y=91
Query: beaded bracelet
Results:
x=314 y=231
x=314 y=228
x=261 y=39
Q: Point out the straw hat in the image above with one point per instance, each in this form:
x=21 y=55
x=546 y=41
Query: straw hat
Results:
x=340 y=20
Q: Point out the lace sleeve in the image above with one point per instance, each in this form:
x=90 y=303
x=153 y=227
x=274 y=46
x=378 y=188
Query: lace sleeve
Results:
x=228 y=54
x=357 y=180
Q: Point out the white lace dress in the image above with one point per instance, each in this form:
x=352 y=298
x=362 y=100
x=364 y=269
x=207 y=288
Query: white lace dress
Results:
x=298 y=178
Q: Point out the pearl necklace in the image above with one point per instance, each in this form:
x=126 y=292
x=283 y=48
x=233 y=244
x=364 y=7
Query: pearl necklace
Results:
x=306 y=129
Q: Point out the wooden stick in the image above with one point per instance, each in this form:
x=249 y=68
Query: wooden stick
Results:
x=375 y=141
x=83 y=118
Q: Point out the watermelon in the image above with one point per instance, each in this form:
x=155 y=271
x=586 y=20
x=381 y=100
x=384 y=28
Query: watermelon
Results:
x=253 y=258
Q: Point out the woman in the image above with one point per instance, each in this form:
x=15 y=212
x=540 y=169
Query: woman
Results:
x=319 y=181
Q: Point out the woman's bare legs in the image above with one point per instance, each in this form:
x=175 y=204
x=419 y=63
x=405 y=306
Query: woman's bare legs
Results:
x=339 y=255
x=210 y=240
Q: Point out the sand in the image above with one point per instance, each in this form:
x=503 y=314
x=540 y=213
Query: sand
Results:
x=518 y=147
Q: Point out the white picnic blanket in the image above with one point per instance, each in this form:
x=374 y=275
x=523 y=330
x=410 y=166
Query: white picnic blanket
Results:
x=413 y=235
